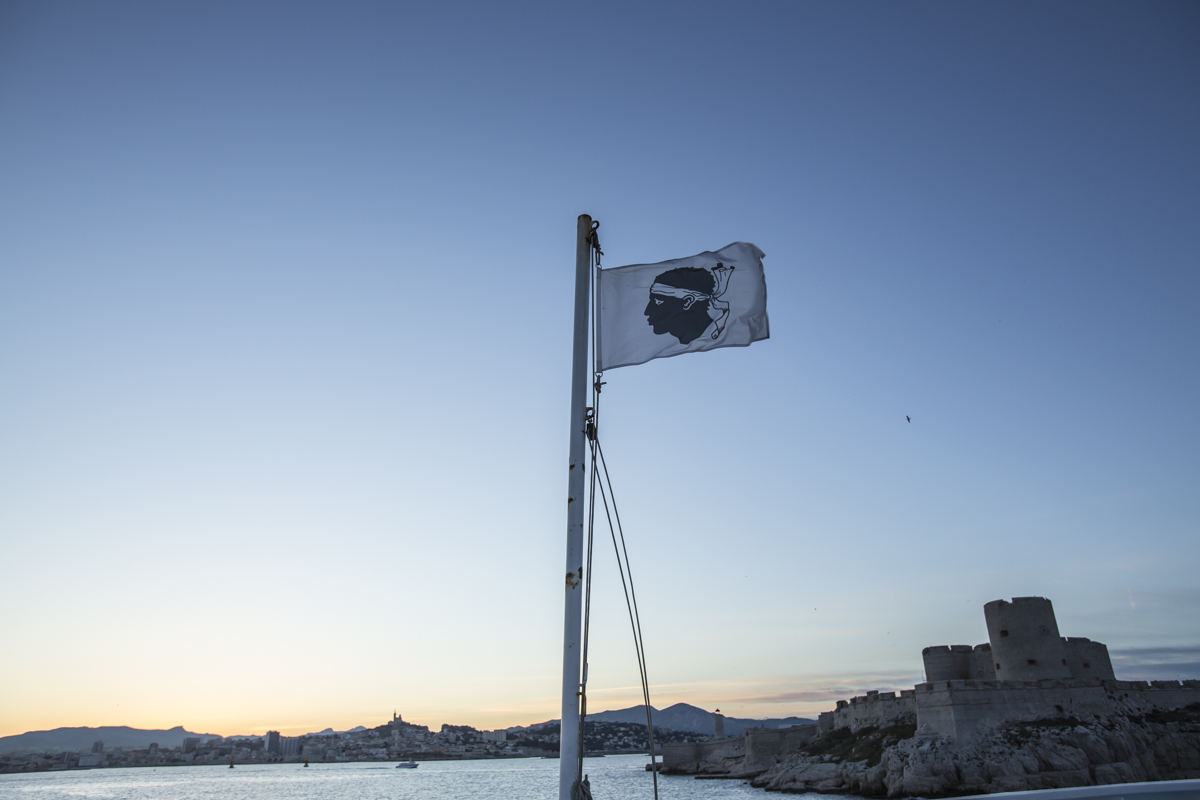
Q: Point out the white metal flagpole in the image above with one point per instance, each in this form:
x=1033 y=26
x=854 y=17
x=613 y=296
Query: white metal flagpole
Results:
x=570 y=755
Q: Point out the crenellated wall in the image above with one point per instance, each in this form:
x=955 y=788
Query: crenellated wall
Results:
x=874 y=709
x=959 y=709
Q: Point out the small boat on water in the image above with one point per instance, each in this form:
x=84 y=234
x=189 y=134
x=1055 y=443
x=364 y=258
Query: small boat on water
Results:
x=407 y=765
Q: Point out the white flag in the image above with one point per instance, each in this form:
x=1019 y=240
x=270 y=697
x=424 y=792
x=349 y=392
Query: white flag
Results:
x=687 y=305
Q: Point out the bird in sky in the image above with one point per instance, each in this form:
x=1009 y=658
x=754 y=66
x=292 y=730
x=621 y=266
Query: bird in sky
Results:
x=908 y=418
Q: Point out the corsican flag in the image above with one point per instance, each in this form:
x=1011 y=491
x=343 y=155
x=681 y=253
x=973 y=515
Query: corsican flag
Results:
x=687 y=305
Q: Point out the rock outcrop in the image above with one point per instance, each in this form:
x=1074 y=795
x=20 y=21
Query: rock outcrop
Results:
x=903 y=761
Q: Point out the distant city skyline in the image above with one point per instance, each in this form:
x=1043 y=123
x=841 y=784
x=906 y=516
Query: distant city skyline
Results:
x=285 y=316
x=667 y=717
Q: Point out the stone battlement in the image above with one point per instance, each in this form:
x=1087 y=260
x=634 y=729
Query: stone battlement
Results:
x=1128 y=686
x=875 y=697
x=874 y=709
x=962 y=708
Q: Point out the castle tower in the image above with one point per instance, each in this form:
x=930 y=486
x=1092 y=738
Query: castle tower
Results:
x=1088 y=659
x=947 y=662
x=1025 y=641
x=981 y=665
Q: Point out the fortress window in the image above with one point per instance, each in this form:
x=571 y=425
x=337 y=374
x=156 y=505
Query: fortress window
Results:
x=1064 y=662
x=997 y=666
x=1003 y=634
x=1086 y=665
x=1033 y=662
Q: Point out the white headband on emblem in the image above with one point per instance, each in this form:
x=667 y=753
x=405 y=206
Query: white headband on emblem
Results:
x=718 y=309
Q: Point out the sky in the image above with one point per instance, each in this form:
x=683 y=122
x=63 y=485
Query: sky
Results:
x=285 y=337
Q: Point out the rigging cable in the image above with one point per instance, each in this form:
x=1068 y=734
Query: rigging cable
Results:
x=635 y=620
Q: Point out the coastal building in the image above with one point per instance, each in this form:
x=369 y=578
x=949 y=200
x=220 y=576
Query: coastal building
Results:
x=271 y=742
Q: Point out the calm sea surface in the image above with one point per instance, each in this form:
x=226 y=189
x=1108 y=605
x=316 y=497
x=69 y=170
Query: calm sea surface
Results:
x=612 y=778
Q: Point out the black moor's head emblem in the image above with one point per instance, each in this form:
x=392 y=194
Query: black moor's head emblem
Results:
x=685 y=302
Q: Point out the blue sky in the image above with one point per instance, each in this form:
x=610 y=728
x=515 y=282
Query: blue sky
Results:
x=285 y=298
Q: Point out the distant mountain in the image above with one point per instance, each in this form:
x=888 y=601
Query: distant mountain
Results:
x=332 y=732
x=684 y=717
x=83 y=738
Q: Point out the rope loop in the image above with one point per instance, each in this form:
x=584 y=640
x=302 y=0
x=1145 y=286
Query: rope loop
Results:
x=595 y=240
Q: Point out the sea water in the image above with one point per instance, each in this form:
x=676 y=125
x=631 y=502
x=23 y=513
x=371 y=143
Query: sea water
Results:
x=612 y=778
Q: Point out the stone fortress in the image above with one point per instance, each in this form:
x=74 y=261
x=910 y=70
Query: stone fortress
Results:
x=1024 y=673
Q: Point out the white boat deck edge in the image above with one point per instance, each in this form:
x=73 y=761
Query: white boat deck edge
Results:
x=1149 y=790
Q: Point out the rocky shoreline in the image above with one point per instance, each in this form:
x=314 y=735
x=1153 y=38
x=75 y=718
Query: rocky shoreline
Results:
x=903 y=761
